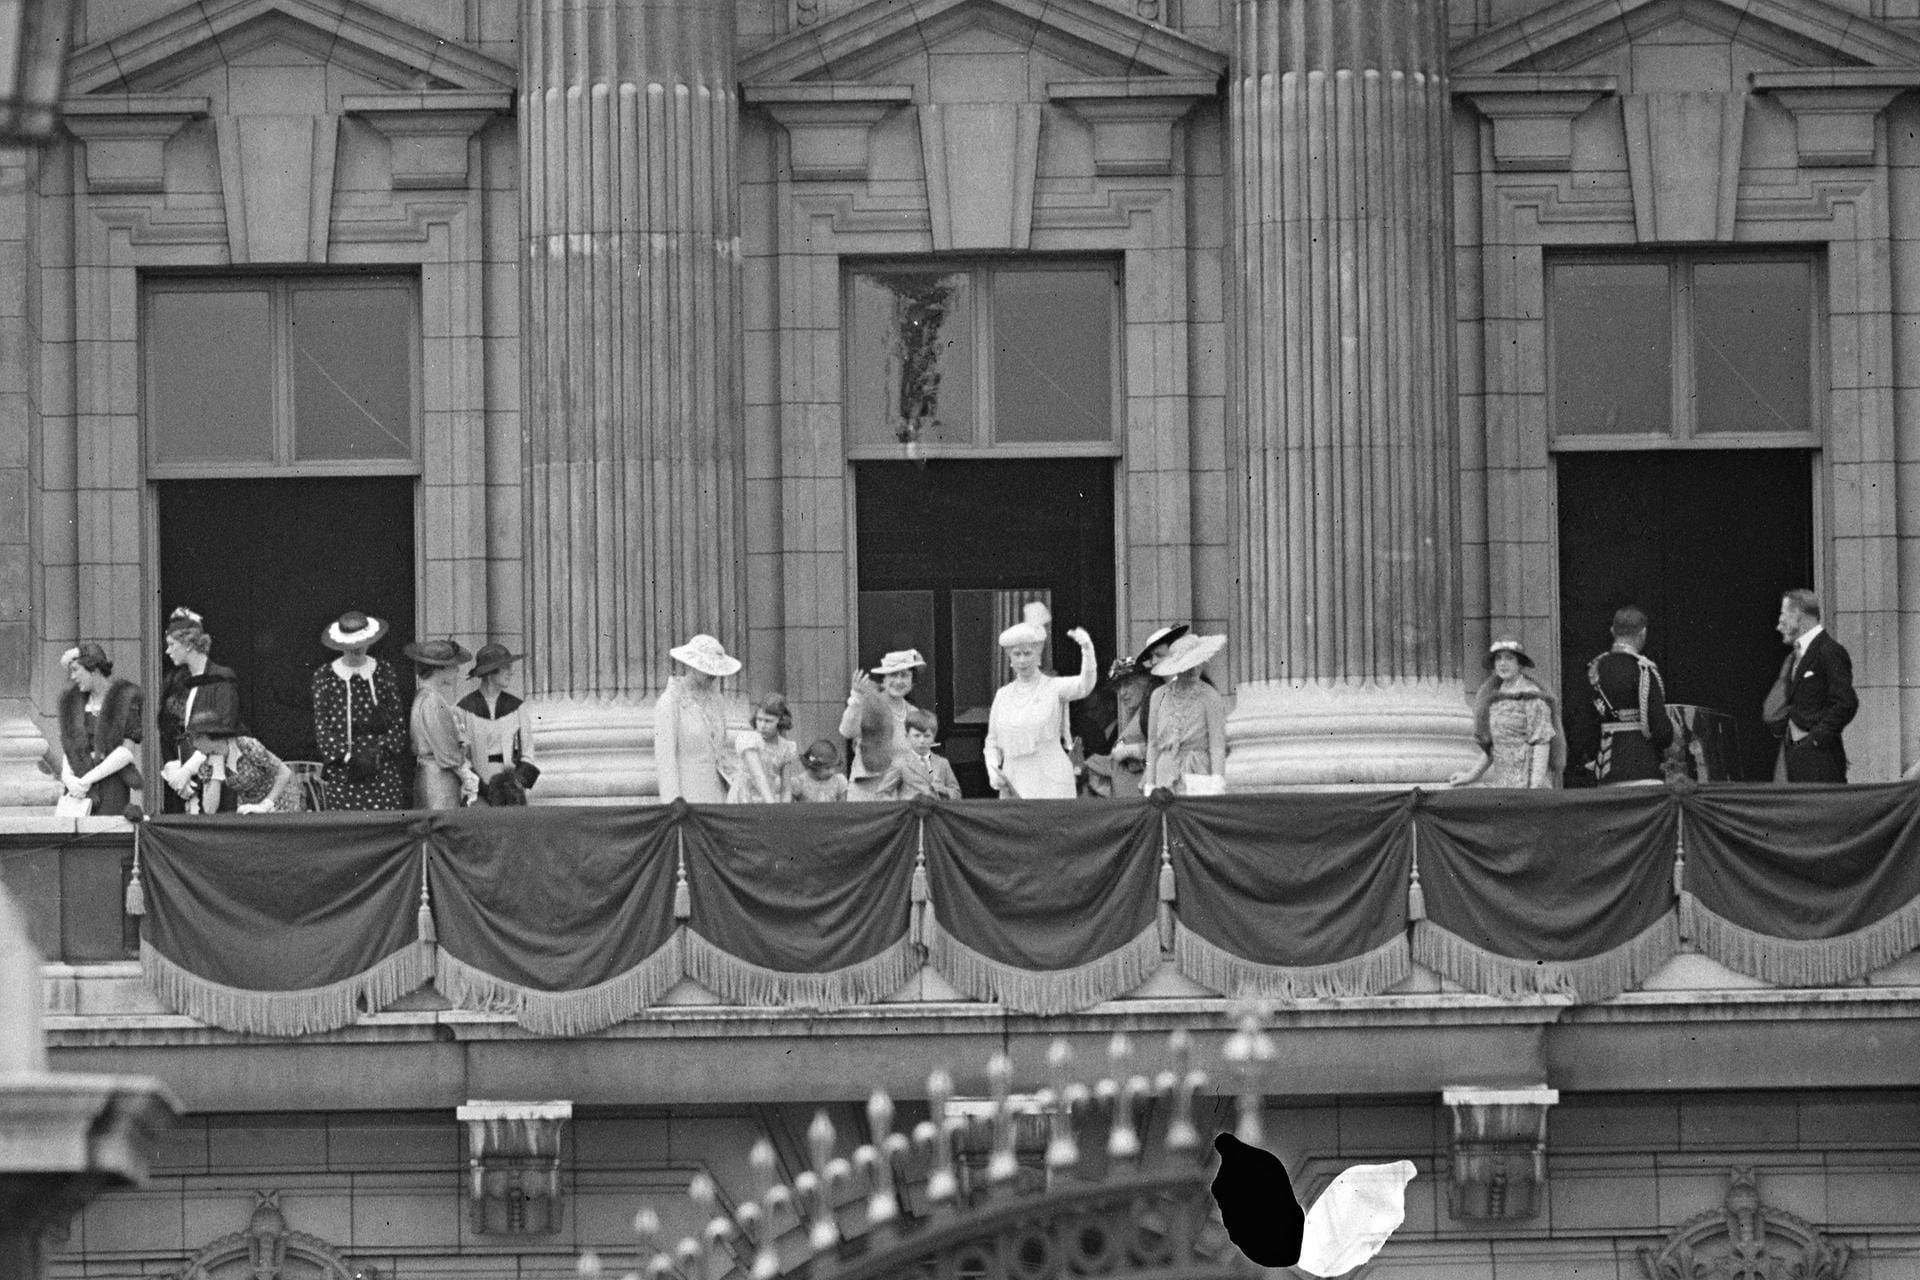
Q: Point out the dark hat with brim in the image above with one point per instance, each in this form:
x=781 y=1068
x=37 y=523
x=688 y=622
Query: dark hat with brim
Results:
x=437 y=653
x=492 y=658
x=353 y=630
x=1165 y=635
x=214 y=722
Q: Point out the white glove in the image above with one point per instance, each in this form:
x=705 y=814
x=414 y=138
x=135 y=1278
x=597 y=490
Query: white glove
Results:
x=1353 y=1217
x=256 y=807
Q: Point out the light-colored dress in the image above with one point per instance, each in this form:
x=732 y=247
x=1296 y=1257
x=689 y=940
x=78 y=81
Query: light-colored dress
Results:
x=777 y=760
x=828 y=789
x=1188 y=734
x=691 y=748
x=1026 y=735
x=439 y=748
x=1521 y=725
x=252 y=773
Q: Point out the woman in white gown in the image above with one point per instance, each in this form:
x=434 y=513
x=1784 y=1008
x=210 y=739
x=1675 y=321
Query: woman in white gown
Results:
x=1026 y=730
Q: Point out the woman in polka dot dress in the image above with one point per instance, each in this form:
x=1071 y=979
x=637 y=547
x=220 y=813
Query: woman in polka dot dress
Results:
x=359 y=720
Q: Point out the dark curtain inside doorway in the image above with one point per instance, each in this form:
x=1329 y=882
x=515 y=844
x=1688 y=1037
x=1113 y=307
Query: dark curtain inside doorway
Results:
x=1705 y=541
x=270 y=563
x=935 y=540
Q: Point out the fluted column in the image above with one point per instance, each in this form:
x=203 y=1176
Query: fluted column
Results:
x=632 y=337
x=1346 y=631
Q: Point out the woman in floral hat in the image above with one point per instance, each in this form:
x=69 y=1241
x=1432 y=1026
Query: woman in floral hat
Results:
x=691 y=747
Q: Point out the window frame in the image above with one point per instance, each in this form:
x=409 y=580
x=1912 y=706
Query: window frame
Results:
x=280 y=287
x=1684 y=434
x=981 y=270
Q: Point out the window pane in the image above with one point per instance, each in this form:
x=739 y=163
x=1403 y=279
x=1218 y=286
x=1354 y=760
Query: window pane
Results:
x=1053 y=355
x=210 y=376
x=1612 y=348
x=351 y=353
x=910 y=356
x=1752 y=336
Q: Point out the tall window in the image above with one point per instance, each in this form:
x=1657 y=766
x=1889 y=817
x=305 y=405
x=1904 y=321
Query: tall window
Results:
x=299 y=375
x=1002 y=356
x=1689 y=349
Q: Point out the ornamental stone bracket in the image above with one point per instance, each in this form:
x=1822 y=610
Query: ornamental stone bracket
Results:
x=1746 y=1239
x=1836 y=111
x=514 y=1166
x=829 y=126
x=126 y=136
x=267 y=1249
x=1497 y=1169
x=428 y=132
x=1132 y=118
x=1532 y=115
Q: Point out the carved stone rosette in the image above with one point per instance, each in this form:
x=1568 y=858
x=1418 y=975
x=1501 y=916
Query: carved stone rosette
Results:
x=1746 y=1239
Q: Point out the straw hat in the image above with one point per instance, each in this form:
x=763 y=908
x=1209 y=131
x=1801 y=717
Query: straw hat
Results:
x=353 y=630
x=1188 y=651
x=437 y=653
x=1023 y=633
x=704 y=653
x=1507 y=644
x=492 y=658
x=899 y=660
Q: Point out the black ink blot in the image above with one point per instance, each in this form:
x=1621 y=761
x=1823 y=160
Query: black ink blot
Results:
x=1257 y=1204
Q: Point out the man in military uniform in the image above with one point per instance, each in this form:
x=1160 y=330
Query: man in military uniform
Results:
x=1631 y=701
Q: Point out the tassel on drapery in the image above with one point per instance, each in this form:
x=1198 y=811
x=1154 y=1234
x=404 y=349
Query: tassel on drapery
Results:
x=738 y=981
x=1367 y=974
x=1168 y=891
x=1587 y=979
x=136 y=901
x=1794 y=962
x=423 y=919
x=1043 y=990
x=566 y=1013
x=287 y=1013
x=682 y=893
x=1416 y=896
x=920 y=896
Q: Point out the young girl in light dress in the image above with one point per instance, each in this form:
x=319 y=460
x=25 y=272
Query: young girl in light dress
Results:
x=767 y=755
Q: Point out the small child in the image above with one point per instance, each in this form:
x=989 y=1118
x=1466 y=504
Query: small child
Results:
x=822 y=779
x=920 y=772
x=767 y=755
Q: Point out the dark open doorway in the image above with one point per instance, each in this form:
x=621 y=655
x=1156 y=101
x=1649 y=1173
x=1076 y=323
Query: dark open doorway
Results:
x=270 y=563
x=946 y=549
x=1705 y=542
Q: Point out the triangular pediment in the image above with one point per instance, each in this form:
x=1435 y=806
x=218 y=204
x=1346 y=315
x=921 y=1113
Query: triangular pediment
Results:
x=1085 y=36
x=381 y=50
x=1582 y=36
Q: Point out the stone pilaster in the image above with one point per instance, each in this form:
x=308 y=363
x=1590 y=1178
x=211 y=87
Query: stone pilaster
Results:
x=632 y=337
x=1346 y=631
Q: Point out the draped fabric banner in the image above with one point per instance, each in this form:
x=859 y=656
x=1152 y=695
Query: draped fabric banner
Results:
x=810 y=910
x=1544 y=891
x=282 y=928
x=560 y=917
x=1047 y=906
x=1806 y=885
x=1292 y=895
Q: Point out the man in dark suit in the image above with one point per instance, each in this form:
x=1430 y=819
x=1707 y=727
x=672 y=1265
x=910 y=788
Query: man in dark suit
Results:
x=1818 y=700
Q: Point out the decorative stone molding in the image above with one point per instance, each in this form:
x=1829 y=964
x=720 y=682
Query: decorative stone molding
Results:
x=1683 y=158
x=1746 y=1239
x=981 y=162
x=428 y=132
x=1132 y=118
x=829 y=126
x=126 y=137
x=1836 y=110
x=266 y=1249
x=514 y=1166
x=1498 y=1165
x=1533 y=115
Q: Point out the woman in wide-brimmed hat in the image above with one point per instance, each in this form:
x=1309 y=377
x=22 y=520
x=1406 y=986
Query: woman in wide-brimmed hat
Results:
x=1026 y=747
x=498 y=727
x=1187 y=741
x=240 y=767
x=1517 y=723
x=193 y=682
x=691 y=747
x=358 y=722
x=442 y=777
x=875 y=720
x=1118 y=743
